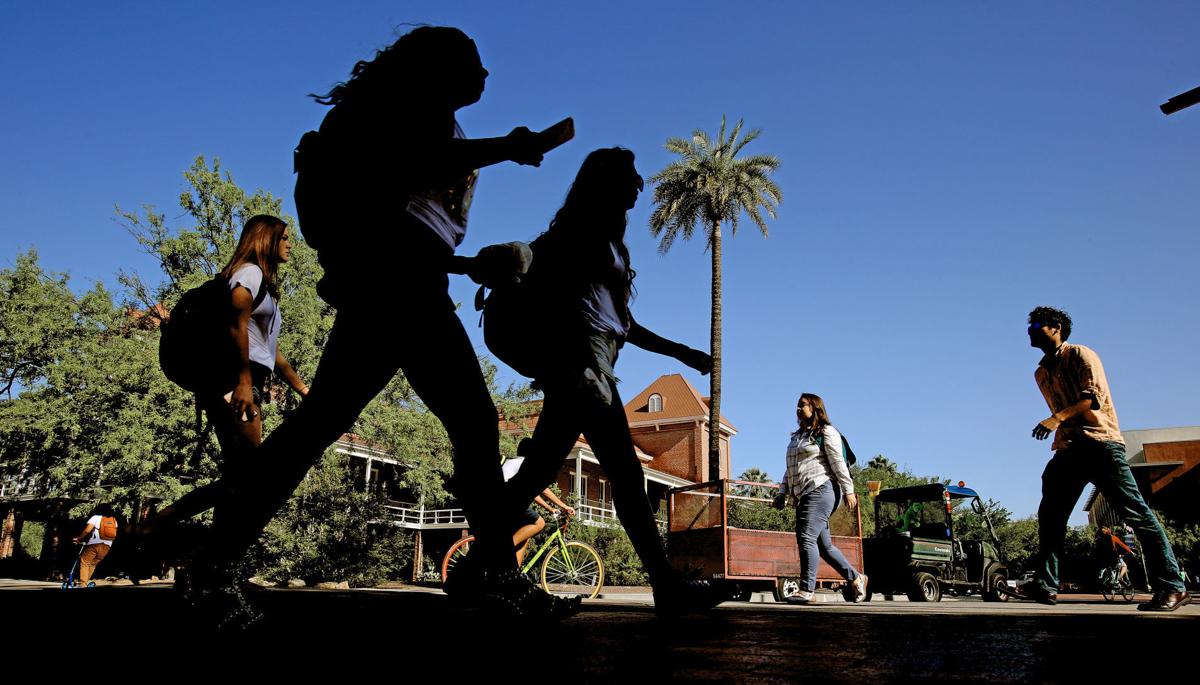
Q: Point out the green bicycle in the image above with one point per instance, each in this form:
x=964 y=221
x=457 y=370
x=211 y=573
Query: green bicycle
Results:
x=568 y=567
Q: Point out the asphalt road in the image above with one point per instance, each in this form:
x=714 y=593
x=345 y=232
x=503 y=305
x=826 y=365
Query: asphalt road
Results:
x=419 y=634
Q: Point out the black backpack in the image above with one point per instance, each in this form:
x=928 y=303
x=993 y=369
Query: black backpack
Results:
x=195 y=350
x=522 y=325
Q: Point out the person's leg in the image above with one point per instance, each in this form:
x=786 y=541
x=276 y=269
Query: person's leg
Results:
x=1063 y=482
x=812 y=517
x=356 y=364
x=523 y=535
x=829 y=552
x=1111 y=474
x=238 y=440
x=607 y=432
x=90 y=558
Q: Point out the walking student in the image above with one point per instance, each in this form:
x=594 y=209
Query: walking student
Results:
x=383 y=192
x=1088 y=448
x=817 y=478
x=583 y=280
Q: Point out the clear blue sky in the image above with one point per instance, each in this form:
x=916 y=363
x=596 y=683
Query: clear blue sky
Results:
x=946 y=167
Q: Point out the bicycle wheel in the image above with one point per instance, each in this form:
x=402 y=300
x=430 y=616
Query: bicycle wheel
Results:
x=1127 y=590
x=1106 y=586
x=456 y=553
x=575 y=569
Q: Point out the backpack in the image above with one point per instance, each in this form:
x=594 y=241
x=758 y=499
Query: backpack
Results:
x=847 y=453
x=195 y=351
x=108 y=528
x=518 y=327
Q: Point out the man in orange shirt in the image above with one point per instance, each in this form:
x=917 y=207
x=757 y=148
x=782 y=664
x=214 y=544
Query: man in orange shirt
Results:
x=1088 y=447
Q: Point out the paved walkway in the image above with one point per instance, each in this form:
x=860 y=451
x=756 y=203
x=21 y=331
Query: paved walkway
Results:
x=411 y=631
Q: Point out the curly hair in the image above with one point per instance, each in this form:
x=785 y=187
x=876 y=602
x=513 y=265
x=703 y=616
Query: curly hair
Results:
x=1050 y=316
x=428 y=50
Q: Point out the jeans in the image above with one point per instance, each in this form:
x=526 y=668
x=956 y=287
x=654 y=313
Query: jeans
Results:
x=1104 y=465
x=812 y=535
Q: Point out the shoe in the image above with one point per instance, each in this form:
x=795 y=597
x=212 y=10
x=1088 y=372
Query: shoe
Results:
x=1031 y=590
x=677 y=597
x=860 y=587
x=801 y=597
x=1166 y=600
x=513 y=595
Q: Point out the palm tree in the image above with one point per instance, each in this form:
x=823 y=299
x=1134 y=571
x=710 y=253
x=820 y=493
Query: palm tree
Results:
x=710 y=186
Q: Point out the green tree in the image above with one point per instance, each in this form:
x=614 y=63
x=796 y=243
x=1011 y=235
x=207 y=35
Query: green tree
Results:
x=709 y=185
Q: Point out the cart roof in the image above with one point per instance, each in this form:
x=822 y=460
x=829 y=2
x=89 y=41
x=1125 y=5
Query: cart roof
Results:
x=929 y=492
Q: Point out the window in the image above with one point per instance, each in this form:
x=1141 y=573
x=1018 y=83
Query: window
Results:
x=656 y=403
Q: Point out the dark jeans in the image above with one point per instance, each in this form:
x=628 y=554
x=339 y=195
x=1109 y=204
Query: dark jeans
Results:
x=567 y=411
x=812 y=535
x=359 y=359
x=1102 y=464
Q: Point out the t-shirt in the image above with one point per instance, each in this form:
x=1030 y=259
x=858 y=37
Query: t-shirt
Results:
x=511 y=466
x=265 y=320
x=444 y=210
x=601 y=309
x=94 y=522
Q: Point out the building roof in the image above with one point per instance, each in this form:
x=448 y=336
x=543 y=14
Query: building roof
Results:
x=680 y=402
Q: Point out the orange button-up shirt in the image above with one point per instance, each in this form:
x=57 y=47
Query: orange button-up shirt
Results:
x=1069 y=375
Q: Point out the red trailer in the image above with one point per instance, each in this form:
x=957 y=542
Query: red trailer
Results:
x=705 y=541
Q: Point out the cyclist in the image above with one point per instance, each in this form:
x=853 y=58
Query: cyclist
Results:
x=531 y=522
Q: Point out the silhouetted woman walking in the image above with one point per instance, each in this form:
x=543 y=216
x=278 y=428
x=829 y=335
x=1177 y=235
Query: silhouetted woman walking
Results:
x=583 y=281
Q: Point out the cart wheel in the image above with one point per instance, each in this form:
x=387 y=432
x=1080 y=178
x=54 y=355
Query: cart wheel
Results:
x=786 y=586
x=924 y=588
x=994 y=592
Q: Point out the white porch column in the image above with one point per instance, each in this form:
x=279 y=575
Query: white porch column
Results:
x=367 y=474
x=579 y=475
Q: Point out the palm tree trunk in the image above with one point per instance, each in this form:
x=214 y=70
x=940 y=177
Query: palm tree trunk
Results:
x=714 y=411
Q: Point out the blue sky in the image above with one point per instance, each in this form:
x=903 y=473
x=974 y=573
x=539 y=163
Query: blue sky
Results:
x=946 y=167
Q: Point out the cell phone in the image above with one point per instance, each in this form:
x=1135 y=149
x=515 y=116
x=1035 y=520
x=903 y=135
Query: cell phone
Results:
x=556 y=135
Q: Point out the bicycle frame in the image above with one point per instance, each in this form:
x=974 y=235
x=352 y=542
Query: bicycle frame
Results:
x=556 y=536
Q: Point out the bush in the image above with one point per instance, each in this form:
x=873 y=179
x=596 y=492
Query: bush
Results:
x=329 y=532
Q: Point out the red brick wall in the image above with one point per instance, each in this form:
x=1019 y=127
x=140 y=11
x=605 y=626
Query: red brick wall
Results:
x=675 y=449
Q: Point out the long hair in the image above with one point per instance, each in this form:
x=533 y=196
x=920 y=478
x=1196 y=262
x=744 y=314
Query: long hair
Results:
x=593 y=215
x=820 y=417
x=429 y=54
x=259 y=245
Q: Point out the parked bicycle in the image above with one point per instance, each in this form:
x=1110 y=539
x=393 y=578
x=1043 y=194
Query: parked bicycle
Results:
x=1115 y=580
x=568 y=567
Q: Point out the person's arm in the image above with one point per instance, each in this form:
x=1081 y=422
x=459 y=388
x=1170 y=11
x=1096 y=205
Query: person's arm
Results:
x=87 y=532
x=646 y=339
x=549 y=494
x=1047 y=426
x=289 y=375
x=242 y=400
x=831 y=448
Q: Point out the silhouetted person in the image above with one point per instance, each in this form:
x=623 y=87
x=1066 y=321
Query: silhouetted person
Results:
x=584 y=280
x=1088 y=448
x=235 y=410
x=383 y=193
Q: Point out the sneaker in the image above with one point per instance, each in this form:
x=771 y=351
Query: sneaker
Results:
x=1166 y=600
x=801 y=597
x=860 y=587
x=678 y=597
x=1031 y=590
x=512 y=594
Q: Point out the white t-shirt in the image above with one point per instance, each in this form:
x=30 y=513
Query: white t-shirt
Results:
x=94 y=522
x=444 y=211
x=265 y=320
x=511 y=466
